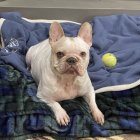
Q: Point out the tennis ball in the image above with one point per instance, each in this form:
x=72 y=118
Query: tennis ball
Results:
x=109 y=60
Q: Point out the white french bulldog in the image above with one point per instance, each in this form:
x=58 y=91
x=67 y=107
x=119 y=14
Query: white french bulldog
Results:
x=59 y=67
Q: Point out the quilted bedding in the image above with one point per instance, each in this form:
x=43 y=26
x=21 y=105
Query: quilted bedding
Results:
x=23 y=115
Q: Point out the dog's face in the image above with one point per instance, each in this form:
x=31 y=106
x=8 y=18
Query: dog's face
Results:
x=70 y=55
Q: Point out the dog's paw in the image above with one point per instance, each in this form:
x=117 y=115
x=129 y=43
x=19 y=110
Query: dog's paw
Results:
x=98 y=116
x=62 y=117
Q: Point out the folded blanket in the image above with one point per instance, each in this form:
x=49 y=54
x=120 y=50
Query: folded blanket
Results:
x=119 y=35
x=23 y=115
x=112 y=34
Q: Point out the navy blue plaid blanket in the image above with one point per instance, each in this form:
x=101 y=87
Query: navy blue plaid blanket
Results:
x=23 y=115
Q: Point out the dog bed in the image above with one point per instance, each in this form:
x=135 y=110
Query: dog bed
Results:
x=117 y=89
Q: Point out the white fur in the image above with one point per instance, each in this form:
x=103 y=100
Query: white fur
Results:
x=54 y=83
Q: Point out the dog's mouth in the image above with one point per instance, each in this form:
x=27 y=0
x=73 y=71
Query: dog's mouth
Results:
x=76 y=70
x=72 y=70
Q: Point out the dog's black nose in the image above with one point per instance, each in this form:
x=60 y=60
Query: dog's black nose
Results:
x=71 y=60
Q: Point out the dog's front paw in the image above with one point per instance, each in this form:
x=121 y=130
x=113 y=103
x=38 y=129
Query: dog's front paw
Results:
x=98 y=116
x=62 y=117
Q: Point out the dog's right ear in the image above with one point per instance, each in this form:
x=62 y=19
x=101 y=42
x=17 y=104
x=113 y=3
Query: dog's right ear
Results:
x=85 y=33
x=55 y=32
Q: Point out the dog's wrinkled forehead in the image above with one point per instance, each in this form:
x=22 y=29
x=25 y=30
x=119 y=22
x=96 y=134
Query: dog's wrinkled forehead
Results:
x=71 y=45
x=63 y=47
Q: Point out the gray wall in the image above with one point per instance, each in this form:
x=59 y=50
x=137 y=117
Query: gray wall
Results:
x=76 y=10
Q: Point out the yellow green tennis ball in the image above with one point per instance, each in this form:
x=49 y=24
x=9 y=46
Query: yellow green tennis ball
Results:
x=109 y=60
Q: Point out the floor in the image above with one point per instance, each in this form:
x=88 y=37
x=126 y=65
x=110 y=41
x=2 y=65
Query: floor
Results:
x=118 y=137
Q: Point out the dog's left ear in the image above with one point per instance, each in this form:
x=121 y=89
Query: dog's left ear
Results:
x=55 y=32
x=85 y=33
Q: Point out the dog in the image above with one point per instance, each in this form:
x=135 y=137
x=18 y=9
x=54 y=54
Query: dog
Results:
x=59 y=67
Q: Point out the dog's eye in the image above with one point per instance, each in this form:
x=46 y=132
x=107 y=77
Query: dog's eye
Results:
x=83 y=54
x=60 y=54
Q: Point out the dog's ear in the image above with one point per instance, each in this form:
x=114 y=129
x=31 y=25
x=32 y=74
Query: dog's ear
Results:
x=55 y=32
x=85 y=33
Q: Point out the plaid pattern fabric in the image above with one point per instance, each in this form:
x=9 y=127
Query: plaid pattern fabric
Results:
x=22 y=115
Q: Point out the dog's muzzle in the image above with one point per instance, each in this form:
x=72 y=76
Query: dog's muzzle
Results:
x=72 y=66
x=71 y=60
